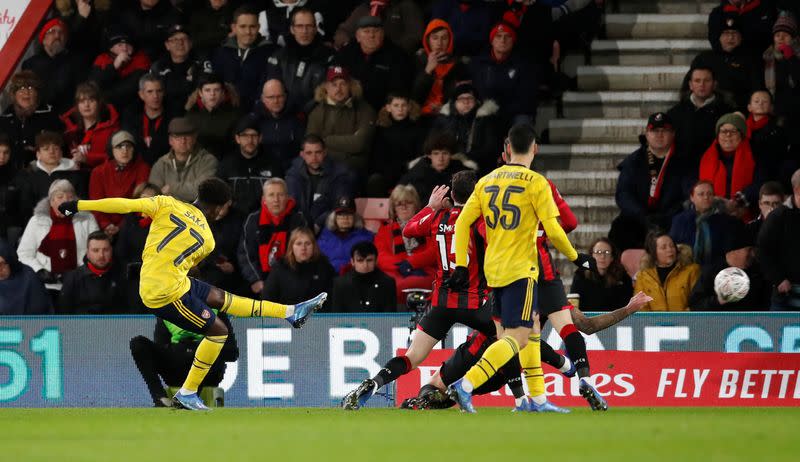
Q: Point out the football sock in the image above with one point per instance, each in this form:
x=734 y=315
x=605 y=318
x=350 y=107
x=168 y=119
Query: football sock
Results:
x=576 y=347
x=249 y=308
x=393 y=369
x=550 y=357
x=511 y=370
x=207 y=352
x=532 y=368
x=498 y=353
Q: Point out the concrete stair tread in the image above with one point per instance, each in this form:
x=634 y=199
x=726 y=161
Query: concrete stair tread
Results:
x=627 y=70
x=587 y=149
x=666 y=7
x=634 y=18
x=568 y=123
x=589 y=201
x=648 y=45
x=618 y=97
x=556 y=175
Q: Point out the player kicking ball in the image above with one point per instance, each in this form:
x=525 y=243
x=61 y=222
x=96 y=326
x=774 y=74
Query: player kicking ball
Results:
x=179 y=239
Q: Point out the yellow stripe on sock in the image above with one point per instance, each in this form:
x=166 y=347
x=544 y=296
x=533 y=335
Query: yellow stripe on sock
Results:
x=494 y=357
x=204 y=357
x=527 y=307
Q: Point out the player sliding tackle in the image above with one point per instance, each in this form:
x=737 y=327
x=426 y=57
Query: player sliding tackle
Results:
x=513 y=199
x=179 y=239
x=433 y=395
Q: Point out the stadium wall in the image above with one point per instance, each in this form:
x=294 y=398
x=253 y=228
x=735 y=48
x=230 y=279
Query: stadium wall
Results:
x=70 y=361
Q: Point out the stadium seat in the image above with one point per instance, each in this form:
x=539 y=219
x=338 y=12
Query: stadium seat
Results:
x=374 y=210
x=630 y=260
x=211 y=396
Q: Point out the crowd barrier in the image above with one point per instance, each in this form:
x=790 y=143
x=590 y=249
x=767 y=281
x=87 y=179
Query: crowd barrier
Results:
x=71 y=361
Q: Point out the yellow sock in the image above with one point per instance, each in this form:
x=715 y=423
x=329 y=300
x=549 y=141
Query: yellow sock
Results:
x=204 y=358
x=498 y=353
x=248 y=308
x=531 y=361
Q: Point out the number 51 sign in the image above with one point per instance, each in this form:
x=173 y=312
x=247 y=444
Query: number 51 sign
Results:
x=46 y=345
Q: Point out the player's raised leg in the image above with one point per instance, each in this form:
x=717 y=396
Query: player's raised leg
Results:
x=245 y=307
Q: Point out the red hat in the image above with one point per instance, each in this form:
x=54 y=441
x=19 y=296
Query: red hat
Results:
x=503 y=27
x=49 y=25
x=337 y=72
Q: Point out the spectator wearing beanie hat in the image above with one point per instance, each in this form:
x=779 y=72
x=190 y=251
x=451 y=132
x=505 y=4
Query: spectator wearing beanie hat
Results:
x=475 y=124
x=118 y=176
x=738 y=72
x=782 y=73
x=730 y=166
x=503 y=75
x=63 y=69
x=118 y=70
x=756 y=18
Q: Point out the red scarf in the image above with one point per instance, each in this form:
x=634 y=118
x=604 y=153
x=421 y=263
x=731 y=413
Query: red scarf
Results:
x=656 y=182
x=753 y=126
x=273 y=231
x=746 y=8
x=435 y=98
x=59 y=245
x=713 y=170
x=97 y=271
x=144 y=221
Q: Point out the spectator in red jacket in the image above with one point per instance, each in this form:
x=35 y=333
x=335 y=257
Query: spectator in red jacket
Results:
x=89 y=125
x=410 y=261
x=118 y=176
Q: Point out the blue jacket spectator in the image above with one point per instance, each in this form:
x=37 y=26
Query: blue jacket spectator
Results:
x=343 y=229
x=21 y=291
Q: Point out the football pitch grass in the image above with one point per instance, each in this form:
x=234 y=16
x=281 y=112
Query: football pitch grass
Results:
x=267 y=434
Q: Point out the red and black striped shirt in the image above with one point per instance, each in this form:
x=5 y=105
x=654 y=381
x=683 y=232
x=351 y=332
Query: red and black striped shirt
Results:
x=440 y=226
x=568 y=222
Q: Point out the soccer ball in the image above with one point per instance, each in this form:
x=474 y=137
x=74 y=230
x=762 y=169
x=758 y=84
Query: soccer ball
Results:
x=731 y=284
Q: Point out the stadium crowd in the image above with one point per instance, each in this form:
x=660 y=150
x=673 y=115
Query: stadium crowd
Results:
x=302 y=106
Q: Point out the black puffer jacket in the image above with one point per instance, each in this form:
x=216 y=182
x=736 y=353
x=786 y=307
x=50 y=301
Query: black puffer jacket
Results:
x=290 y=286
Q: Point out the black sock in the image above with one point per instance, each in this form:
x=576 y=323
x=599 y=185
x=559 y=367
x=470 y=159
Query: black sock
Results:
x=576 y=348
x=511 y=370
x=550 y=357
x=393 y=369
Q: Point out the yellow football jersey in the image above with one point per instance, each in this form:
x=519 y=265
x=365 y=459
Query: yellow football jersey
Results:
x=513 y=199
x=179 y=239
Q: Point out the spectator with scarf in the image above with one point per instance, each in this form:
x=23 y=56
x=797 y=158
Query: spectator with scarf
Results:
x=94 y=287
x=117 y=71
x=767 y=139
x=438 y=70
x=52 y=243
x=265 y=233
x=410 y=261
x=703 y=227
x=148 y=119
x=650 y=186
x=302 y=272
x=89 y=125
x=21 y=292
x=729 y=165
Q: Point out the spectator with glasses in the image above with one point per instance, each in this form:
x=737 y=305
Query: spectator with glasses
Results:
x=770 y=197
x=607 y=289
x=410 y=261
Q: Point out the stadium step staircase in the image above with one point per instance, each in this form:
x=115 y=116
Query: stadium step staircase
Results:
x=635 y=70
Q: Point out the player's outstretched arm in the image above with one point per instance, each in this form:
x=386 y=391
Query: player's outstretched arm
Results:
x=469 y=213
x=110 y=205
x=597 y=323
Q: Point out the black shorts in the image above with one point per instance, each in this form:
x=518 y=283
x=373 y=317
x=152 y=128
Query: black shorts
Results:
x=550 y=298
x=190 y=312
x=515 y=303
x=438 y=321
x=464 y=357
